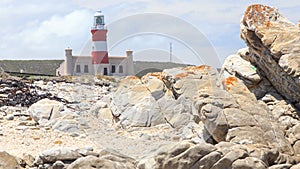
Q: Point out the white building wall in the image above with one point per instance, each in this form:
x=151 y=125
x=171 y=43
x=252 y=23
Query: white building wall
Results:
x=61 y=70
x=100 y=68
x=118 y=62
x=73 y=62
x=82 y=61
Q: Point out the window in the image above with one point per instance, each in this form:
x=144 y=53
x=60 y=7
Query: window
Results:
x=113 y=69
x=78 y=69
x=86 y=69
x=120 y=69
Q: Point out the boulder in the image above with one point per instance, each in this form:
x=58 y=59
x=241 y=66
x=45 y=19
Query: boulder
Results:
x=274 y=45
x=249 y=163
x=58 y=165
x=196 y=133
x=8 y=161
x=187 y=81
x=296 y=147
x=258 y=154
x=234 y=114
x=91 y=162
x=178 y=155
x=162 y=97
x=241 y=68
x=239 y=118
x=9 y=117
x=155 y=85
x=59 y=154
x=281 y=166
x=28 y=159
x=177 y=113
x=215 y=121
x=208 y=161
x=297 y=166
x=133 y=105
x=45 y=110
x=107 y=160
x=227 y=160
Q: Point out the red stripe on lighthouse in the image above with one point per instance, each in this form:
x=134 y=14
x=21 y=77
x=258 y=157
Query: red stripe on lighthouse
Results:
x=99 y=35
x=100 y=57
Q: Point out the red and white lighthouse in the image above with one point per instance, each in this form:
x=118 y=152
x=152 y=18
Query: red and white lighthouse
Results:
x=99 y=45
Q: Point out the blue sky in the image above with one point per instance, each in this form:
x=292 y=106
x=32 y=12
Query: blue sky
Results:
x=34 y=29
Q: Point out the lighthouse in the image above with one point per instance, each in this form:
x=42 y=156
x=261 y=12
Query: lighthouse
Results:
x=99 y=45
x=98 y=63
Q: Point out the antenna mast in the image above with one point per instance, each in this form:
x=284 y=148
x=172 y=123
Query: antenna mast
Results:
x=170 y=52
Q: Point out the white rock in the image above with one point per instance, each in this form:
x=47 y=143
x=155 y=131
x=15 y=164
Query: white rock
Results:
x=45 y=110
x=9 y=117
x=57 y=154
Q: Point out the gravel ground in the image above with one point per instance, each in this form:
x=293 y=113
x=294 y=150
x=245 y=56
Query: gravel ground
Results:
x=33 y=140
x=21 y=135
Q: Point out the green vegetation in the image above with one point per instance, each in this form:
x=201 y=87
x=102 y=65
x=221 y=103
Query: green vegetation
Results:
x=43 y=67
x=33 y=69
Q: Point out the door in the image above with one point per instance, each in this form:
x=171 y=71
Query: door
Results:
x=105 y=72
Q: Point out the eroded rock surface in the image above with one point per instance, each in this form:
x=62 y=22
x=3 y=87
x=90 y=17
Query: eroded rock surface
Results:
x=274 y=43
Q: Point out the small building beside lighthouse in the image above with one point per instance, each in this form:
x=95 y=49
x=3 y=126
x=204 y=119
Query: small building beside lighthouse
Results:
x=99 y=62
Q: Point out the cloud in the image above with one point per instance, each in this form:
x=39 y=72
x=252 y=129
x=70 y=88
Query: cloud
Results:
x=42 y=29
x=48 y=38
x=60 y=26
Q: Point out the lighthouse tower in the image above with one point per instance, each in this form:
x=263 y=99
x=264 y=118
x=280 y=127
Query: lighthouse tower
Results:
x=99 y=45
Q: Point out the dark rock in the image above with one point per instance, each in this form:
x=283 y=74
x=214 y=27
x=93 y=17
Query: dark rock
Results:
x=19 y=92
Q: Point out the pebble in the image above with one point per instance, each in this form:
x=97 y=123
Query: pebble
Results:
x=146 y=137
x=50 y=83
x=30 y=123
x=21 y=128
x=74 y=134
x=19 y=92
x=58 y=165
x=83 y=136
x=9 y=117
x=24 y=118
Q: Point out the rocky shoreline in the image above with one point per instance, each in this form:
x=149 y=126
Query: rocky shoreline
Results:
x=246 y=116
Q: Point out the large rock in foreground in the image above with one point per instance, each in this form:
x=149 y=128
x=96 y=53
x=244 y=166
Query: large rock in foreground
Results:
x=133 y=105
x=8 y=161
x=235 y=115
x=274 y=44
x=106 y=159
x=162 y=97
x=179 y=155
x=206 y=156
x=45 y=110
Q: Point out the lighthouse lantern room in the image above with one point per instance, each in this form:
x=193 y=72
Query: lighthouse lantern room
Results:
x=99 y=20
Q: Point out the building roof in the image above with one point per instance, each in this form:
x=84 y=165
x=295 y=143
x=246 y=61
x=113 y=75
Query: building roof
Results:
x=82 y=56
x=98 y=13
x=117 y=57
x=110 y=57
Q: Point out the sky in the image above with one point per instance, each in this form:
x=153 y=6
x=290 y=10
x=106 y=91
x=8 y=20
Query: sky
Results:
x=197 y=29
